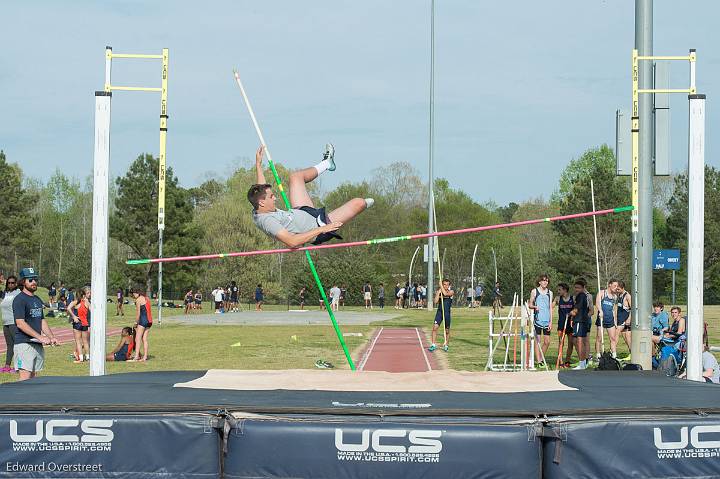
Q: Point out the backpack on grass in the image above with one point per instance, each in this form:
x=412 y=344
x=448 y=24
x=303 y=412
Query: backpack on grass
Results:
x=608 y=363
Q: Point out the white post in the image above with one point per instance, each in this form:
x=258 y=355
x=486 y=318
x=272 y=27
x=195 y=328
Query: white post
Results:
x=696 y=235
x=100 y=232
x=412 y=261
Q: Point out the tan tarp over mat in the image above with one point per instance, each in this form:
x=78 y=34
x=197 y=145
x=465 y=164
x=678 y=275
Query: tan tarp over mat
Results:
x=343 y=380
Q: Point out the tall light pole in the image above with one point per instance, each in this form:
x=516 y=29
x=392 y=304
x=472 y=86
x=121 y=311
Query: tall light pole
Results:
x=431 y=178
x=643 y=225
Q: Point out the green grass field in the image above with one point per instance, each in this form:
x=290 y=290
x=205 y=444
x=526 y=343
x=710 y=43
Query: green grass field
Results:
x=188 y=347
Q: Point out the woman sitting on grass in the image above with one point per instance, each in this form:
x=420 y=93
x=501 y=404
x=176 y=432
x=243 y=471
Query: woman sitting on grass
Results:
x=124 y=350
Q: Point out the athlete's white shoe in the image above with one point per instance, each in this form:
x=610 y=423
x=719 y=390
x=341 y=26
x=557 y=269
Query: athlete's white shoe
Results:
x=329 y=155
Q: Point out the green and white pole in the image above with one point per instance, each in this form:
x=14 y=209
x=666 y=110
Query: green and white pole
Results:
x=288 y=206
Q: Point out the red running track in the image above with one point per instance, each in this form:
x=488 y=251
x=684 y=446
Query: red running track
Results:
x=65 y=335
x=398 y=350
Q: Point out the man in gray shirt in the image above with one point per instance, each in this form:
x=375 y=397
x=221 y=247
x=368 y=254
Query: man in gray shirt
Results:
x=303 y=223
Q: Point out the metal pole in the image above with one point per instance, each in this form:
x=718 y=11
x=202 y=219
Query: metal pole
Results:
x=98 y=279
x=431 y=178
x=161 y=174
x=495 y=261
x=673 y=291
x=522 y=276
x=600 y=331
x=696 y=235
x=472 y=276
x=643 y=229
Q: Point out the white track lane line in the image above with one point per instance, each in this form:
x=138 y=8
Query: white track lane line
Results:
x=422 y=348
x=369 y=351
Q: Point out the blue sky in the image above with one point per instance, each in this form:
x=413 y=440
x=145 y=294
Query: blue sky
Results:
x=522 y=87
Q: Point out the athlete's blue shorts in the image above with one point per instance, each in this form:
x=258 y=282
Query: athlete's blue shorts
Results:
x=144 y=323
x=320 y=214
x=79 y=326
x=542 y=330
x=439 y=318
x=581 y=329
x=122 y=354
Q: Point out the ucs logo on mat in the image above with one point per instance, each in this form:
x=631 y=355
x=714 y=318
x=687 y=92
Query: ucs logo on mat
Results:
x=389 y=445
x=62 y=435
x=695 y=442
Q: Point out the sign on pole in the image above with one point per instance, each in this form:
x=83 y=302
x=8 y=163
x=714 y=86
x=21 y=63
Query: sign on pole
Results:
x=666 y=259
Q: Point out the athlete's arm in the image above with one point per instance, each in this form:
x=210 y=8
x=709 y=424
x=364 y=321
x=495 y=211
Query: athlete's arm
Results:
x=70 y=308
x=119 y=345
x=137 y=310
x=295 y=240
x=628 y=302
x=259 y=175
x=531 y=304
x=598 y=303
x=551 y=302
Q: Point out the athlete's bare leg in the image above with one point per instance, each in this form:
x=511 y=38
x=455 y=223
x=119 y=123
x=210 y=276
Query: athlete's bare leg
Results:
x=348 y=211
x=298 y=194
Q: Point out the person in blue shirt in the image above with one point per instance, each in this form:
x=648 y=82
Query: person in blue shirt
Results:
x=660 y=322
x=32 y=331
x=565 y=303
x=541 y=300
x=606 y=304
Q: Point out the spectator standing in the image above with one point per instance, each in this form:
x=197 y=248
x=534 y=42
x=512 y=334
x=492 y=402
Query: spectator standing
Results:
x=397 y=296
x=259 y=297
x=198 y=300
x=469 y=293
x=624 y=309
x=63 y=290
x=606 y=304
x=143 y=323
x=52 y=293
x=302 y=294
x=217 y=295
x=343 y=295
x=381 y=296
x=32 y=331
x=79 y=311
x=234 y=296
x=226 y=298
x=335 y=297
x=565 y=303
x=6 y=306
x=188 y=300
x=479 y=291
x=424 y=296
x=70 y=295
x=120 y=302
x=581 y=315
x=367 y=295
x=497 y=299
x=541 y=299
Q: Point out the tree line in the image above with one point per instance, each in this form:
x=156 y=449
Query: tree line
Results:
x=47 y=223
